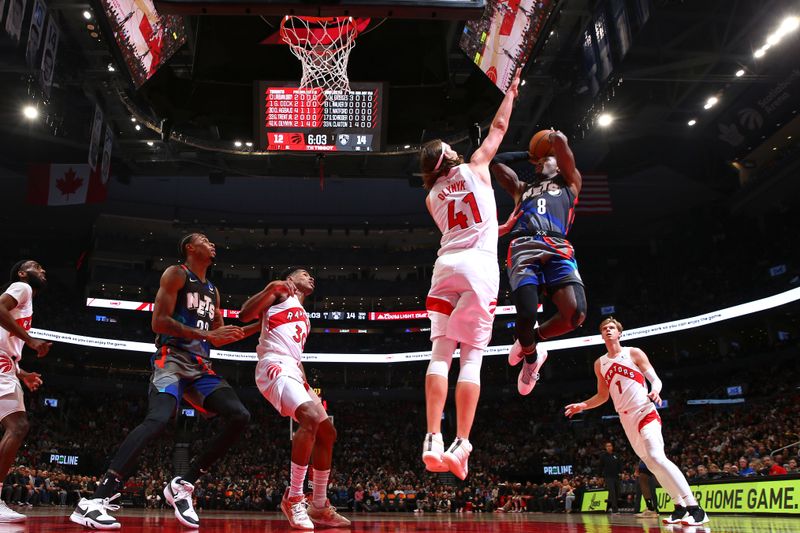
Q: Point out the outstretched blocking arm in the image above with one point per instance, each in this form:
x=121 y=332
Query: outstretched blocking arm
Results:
x=487 y=150
x=162 y=323
x=566 y=162
x=598 y=399
x=641 y=360
x=273 y=293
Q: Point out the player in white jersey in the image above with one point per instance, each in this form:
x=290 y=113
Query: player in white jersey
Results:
x=621 y=372
x=463 y=294
x=16 y=312
x=282 y=381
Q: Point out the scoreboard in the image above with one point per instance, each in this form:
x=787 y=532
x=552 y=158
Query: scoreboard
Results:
x=319 y=120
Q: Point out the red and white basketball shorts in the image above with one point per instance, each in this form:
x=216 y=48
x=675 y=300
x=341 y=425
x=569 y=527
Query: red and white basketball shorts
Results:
x=281 y=382
x=463 y=296
x=11 y=398
x=643 y=428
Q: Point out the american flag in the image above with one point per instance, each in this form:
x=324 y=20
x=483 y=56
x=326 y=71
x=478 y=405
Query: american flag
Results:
x=595 y=197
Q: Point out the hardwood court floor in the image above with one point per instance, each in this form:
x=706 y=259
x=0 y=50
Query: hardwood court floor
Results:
x=137 y=520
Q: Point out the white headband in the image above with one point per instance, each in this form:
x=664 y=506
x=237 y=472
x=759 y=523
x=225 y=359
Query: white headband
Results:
x=445 y=146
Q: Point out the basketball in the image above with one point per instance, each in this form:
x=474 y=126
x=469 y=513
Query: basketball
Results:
x=540 y=146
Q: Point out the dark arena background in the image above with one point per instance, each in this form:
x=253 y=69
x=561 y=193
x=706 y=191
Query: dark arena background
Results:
x=127 y=124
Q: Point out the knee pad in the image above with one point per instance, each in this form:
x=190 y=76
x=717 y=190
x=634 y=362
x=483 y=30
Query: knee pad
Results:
x=441 y=357
x=471 y=359
x=240 y=417
x=526 y=300
x=579 y=315
x=155 y=425
x=439 y=366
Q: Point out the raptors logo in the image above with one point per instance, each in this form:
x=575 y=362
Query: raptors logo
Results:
x=6 y=364
x=273 y=370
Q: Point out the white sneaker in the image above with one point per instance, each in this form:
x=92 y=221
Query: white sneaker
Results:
x=432 y=450
x=92 y=513
x=457 y=456
x=529 y=375
x=296 y=511
x=178 y=493
x=326 y=516
x=515 y=355
x=8 y=515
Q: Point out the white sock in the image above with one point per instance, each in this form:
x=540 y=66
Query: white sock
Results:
x=298 y=475
x=320 y=486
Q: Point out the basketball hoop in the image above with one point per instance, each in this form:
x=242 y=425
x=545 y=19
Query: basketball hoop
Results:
x=322 y=44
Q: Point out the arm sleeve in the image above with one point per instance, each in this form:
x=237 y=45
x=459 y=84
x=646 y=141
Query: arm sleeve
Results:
x=655 y=383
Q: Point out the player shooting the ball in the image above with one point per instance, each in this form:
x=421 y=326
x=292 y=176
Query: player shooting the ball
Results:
x=545 y=186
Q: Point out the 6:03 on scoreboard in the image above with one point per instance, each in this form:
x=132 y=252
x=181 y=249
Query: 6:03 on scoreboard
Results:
x=320 y=120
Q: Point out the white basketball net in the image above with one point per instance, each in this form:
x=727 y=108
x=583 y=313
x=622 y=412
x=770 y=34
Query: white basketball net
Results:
x=323 y=47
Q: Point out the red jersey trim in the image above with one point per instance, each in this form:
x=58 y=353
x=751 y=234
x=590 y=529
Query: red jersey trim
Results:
x=649 y=417
x=437 y=305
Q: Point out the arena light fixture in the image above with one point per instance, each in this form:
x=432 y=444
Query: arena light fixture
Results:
x=138 y=127
x=249 y=144
x=740 y=73
x=111 y=67
x=711 y=102
x=150 y=143
x=237 y=144
x=759 y=53
x=789 y=25
x=692 y=122
x=87 y=15
x=30 y=112
x=605 y=120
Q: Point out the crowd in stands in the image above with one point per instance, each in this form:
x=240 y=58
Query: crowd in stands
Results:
x=640 y=280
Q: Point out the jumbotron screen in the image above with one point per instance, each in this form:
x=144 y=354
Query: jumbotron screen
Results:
x=319 y=120
x=146 y=38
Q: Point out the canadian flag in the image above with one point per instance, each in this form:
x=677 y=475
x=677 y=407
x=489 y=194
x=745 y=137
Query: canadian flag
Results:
x=57 y=184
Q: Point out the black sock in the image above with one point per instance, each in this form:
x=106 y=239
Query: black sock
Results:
x=530 y=358
x=109 y=486
x=649 y=503
x=193 y=474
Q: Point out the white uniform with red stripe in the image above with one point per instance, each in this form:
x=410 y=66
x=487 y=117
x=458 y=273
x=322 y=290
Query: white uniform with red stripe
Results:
x=284 y=329
x=11 y=399
x=628 y=390
x=466 y=278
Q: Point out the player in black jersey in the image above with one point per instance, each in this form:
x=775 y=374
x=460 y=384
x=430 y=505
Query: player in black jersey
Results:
x=187 y=322
x=539 y=255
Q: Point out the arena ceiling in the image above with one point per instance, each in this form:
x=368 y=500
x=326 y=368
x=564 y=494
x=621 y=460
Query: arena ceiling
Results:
x=685 y=53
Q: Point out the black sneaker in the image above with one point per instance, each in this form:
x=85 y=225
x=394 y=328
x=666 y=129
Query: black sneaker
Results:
x=178 y=494
x=677 y=515
x=695 y=516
